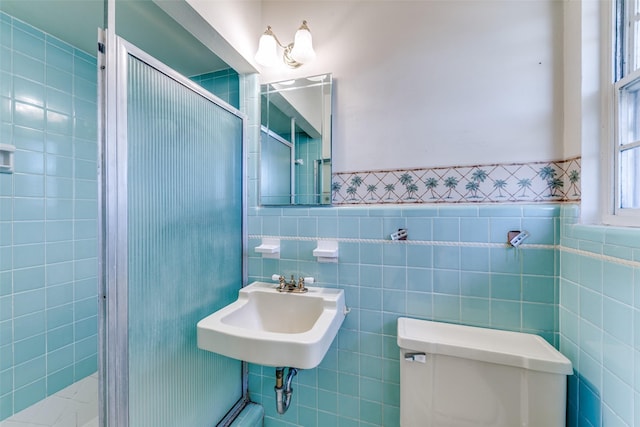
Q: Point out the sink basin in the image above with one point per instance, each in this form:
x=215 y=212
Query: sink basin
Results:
x=274 y=328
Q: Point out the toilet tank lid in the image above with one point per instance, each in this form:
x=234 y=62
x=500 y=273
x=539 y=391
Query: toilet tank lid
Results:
x=527 y=351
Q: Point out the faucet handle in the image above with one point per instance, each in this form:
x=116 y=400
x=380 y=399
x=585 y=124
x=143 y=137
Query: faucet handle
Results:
x=301 y=286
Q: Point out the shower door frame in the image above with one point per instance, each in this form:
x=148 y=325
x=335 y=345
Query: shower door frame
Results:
x=113 y=357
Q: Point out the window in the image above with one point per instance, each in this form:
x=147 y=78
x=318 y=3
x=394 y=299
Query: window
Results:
x=627 y=109
x=627 y=151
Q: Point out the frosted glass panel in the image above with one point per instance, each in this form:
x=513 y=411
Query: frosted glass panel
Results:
x=184 y=199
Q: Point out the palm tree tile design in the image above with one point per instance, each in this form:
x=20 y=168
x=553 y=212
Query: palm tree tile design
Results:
x=514 y=182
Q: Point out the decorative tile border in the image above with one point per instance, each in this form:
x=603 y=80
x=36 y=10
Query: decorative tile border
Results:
x=556 y=181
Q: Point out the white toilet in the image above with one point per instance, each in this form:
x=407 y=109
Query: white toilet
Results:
x=462 y=376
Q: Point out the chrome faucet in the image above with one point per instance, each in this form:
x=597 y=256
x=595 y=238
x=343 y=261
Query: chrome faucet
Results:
x=291 y=286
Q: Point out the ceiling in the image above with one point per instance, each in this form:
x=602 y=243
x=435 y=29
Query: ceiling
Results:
x=140 y=22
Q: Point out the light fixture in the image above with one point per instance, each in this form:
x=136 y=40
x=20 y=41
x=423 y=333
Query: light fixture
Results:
x=295 y=54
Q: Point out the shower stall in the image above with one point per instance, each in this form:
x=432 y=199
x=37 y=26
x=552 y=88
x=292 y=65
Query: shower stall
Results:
x=121 y=223
x=48 y=228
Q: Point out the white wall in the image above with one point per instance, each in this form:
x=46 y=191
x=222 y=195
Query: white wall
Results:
x=422 y=83
x=587 y=79
x=236 y=27
x=434 y=83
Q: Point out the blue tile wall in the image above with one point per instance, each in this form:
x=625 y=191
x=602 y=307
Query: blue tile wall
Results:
x=225 y=84
x=456 y=267
x=600 y=321
x=48 y=211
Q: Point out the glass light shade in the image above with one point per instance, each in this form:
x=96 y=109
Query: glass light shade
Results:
x=302 y=50
x=267 y=54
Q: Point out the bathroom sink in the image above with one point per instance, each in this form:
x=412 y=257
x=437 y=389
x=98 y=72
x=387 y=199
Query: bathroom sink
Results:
x=273 y=328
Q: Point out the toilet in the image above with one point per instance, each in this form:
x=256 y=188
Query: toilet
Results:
x=463 y=376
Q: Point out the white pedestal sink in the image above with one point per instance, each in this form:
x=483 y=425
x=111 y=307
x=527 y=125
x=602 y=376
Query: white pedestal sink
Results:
x=272 y=328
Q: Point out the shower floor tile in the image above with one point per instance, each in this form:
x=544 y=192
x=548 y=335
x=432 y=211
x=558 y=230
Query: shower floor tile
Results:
x=74 y=406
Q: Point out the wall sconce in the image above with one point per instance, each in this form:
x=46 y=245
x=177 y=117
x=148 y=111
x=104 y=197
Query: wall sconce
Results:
x=295 y=54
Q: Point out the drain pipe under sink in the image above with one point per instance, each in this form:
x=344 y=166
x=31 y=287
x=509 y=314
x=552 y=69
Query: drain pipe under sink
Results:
x=284 y=391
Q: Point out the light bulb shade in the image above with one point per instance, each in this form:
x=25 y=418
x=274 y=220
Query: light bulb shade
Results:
x=302 y=51
x=267 y=54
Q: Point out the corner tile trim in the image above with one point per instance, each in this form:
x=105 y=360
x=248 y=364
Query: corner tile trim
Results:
x=601 y=257
x=555 y=181
x=406 y=242
x=635 y=264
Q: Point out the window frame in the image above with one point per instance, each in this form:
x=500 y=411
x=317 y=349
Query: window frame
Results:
x=625 y=72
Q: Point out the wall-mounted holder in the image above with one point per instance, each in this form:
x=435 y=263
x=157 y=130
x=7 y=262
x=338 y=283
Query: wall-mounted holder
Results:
x=401 y=234
x=6 y=158
x=270 y=248
x=516 y=237
x=327 y=251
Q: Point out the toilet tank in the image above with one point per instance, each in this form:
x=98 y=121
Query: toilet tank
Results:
x=463 y=376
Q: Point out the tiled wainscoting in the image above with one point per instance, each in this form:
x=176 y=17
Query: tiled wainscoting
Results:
x=455 y=267
x=600 y=321
x=576 y=285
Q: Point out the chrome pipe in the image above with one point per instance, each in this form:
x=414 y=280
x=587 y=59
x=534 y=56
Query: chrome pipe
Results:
x=284 y=391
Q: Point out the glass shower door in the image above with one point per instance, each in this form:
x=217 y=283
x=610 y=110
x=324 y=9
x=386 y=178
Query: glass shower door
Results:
x=276 y=176
x=178 y=238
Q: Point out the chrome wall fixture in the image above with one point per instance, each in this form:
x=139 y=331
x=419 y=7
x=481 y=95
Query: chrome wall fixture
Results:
x=294 y=55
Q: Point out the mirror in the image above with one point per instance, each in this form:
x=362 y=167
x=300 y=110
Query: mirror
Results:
x=295 y=142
